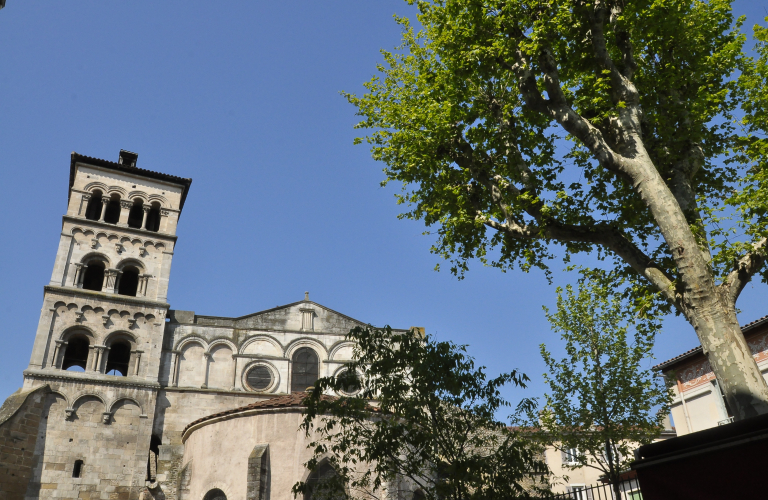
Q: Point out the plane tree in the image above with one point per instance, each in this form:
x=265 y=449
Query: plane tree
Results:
x=528 y=130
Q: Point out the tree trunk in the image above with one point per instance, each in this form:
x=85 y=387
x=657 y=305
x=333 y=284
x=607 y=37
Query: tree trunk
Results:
x=729 y=355
x=705 y=305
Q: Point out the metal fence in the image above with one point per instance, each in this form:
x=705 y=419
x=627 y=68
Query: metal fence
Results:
x=629 y=490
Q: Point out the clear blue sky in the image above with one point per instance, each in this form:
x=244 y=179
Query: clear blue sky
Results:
x=243 y=97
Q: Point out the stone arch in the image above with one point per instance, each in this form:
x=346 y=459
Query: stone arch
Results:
x=138 y=195
x=262 y=338
x=160 y=199
x=191 y=339
x=292 y=347
x=121 y=192
x=92 y=256
x=216 y=485
x=92 y=186
x=221 y=364
x=83 y=409
x=77 y=329
x=114 y=402
x=272 y=387
x=192 y=362
x=338 y=346
x=220 y=341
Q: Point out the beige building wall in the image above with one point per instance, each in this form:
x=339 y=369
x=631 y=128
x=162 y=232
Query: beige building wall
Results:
x=698 y=403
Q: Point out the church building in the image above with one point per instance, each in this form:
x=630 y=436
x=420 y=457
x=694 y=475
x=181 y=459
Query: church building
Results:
x=125 y=398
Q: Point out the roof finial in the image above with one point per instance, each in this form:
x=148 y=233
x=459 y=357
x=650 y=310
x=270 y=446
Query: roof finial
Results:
x=306 y=295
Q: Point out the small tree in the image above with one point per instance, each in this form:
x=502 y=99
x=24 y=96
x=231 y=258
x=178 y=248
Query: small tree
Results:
x=602 y=401
x=433 y=426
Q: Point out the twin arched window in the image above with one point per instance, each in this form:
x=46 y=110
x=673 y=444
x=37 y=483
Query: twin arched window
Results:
x=109 y=212
x=304 y=369
x=118 y=356
x=126 y=281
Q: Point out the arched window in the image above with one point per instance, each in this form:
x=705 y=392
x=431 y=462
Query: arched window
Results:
x=153 y=218
x=136 y=215
x=112 y=213
x=323 y=484
x=118 y=358
x=215 y=494
x=304 y=369
x=93 y=278
x=93 y=210
x=129 y=281
x=76 y=353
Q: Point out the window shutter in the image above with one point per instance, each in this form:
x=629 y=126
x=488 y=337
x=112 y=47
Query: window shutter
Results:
x=564 y=456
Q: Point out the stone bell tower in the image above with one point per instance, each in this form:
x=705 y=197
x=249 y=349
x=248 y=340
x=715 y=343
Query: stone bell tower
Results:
x=99 y=339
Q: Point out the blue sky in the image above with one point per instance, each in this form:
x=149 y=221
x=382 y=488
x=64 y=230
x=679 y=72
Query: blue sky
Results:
x=243 y=97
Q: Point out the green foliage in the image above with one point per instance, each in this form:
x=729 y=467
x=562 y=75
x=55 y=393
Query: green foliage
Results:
x=424 y=418
x=603 y=398
x=448 y=115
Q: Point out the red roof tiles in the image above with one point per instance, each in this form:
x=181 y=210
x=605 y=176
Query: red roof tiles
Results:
x=697 y=350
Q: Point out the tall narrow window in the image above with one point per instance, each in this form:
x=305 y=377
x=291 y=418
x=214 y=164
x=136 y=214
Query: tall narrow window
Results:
x=77 y=470
x=323 y=484
x=118 y=358
x=153 y=219
x=304 y=369
x=76 y=353
x=129 y=281
x=136 y=215
x=112 y=213
x=93 y=210
x=93 y=278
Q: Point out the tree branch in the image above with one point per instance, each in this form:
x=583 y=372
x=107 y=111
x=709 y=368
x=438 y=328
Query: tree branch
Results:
x=746 y=268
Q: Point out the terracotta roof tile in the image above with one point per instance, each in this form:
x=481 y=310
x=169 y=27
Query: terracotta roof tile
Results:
x=294 y=399
x=697 y=350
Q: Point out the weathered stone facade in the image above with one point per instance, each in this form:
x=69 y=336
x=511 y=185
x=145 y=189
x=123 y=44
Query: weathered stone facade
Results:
x=116 y=376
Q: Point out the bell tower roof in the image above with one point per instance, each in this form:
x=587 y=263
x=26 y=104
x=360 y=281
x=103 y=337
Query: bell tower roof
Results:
x=128 y=167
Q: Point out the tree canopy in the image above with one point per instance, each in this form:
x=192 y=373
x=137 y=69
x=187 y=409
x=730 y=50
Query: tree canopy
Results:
x=432 y=428
x=603 y=399
x=527 y=130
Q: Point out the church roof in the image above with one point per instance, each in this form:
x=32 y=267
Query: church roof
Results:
x=120 y=167
x=293 y=400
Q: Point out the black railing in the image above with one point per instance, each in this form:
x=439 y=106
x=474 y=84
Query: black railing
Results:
x=628 y=490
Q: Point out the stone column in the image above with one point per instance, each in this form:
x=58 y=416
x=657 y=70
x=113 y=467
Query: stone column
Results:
x=90 y=362
x=60 y=345
x=164 y=213
x=84 y=204
x=125 y=210
x=111 y=280
x=137 y=356
x=146 y=209
x=79 y=271
x=104 y=202
x=207 y=360
x=174 y=379
x=99 y=357
x=143 y=282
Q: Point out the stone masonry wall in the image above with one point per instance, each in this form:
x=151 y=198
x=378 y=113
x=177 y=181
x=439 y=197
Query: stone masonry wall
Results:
x=19 y=420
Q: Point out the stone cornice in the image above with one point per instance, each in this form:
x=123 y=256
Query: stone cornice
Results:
x=125 y=229
x=109 y=297
x=47 y=374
